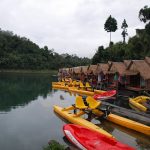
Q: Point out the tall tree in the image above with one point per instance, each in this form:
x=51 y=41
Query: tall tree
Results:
x=144 y=14
x=110 y=25
x=124 y=33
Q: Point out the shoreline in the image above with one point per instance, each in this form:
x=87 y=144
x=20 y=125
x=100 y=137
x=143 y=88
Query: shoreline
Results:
x=29 y=71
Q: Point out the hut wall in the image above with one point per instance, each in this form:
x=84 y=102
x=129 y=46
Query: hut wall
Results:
x=82 y=77
x=148 y=84
x=135 y=80
x=142 y=83
x=127 y=80
x=110 y=78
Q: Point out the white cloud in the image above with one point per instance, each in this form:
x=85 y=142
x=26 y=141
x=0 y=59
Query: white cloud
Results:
x=69 y=26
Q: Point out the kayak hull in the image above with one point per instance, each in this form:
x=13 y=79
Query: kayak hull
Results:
x=60 y=87
x=104 y=95
x=78 y=120
x=84 y=92
x=57 y=83
x=139 y=127
x=87 y=139
x=129 y=124
x=137 y=102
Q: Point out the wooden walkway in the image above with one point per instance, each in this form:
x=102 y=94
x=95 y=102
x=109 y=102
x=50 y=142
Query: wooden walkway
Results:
x=128 y=113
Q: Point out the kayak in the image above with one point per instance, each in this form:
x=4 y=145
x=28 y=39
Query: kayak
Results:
x=79 y=120
x=105 y=95
x=139 y=102
x=139 y=127
x=79 y=91
x=57 y=83
x=84 y=92
x=87 y=139
x=60 y=87
x=129 y=124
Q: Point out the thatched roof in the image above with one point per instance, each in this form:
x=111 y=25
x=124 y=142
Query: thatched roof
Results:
x=117 y=67
x=109 y=62
x=141 y=67
x=65 y=70
x=92 y=69
x=84 y=69
x=102 y=68
x=147 y=59
x=60 y=69
x=77 y=70
x=70 y=70
x=127 y=62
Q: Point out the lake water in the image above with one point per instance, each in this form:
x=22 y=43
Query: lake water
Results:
x=27 y=120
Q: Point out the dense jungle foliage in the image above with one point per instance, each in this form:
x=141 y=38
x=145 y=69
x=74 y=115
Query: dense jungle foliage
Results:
x=137 y=46
x=20 y=53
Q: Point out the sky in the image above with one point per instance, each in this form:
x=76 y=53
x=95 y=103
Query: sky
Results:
x=70 y=26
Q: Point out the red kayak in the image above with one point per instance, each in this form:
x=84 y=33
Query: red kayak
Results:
x=87 y=139
x=105 y=95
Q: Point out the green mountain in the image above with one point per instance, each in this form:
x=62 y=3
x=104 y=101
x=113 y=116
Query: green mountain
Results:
x=20 y=53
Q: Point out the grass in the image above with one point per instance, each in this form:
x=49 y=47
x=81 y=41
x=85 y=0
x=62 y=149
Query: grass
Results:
x=54 y=145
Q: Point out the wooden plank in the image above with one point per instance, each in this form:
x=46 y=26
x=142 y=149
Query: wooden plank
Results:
x=134 y=115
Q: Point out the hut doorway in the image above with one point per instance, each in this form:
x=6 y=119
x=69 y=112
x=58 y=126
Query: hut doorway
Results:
x=135 y=80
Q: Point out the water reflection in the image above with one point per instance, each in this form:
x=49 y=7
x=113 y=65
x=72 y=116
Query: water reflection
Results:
x=20 y=89
x=32 y=126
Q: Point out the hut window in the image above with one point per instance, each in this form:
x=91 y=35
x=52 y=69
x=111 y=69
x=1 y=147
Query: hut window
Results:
x=116 y=76
x=142 y=82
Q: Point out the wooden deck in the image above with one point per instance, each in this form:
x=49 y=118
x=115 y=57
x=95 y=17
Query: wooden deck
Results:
x=136 y=89
x=129 y=113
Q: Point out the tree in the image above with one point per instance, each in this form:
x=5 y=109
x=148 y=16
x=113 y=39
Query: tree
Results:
x=124 y=33
x=97 y=58
x=110 y=25
x=144 y=14
x=20 y=53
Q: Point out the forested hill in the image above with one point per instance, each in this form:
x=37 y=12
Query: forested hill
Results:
x=20 y=53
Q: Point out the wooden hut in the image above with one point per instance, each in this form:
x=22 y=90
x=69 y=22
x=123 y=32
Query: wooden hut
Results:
x=76 y=73
x=65 y=72
x=139 y=72
x=84 y=69
x=70 y=71
x=92 y=70
x=116 y=72
x=83 y=73
x=91 y=73
x=101 y=73
x=147 y=59
x=102 y=68
x=127 y=62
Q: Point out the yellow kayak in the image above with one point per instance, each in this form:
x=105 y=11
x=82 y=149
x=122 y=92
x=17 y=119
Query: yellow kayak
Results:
x=57 y=83
x=60 y=87
x=84 y=92
x=78 y=120
x=76 y=90
x=126 y=122
x=138 y=102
